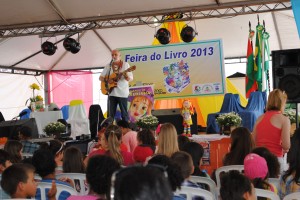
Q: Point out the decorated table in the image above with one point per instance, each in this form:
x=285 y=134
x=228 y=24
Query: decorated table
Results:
x=215 y=147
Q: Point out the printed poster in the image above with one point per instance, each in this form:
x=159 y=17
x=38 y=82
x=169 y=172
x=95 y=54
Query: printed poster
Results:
x=179 y=70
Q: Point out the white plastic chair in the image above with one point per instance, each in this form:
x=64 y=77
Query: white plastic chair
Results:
x=79 y=180
x=292 y=196
x=275 y=182
x=190 y=192
x=211 y=184
x=228 y=168
x=60 y=188
x=266 y=193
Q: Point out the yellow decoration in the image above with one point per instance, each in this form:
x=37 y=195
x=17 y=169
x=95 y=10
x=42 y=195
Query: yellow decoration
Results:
x=34 y=86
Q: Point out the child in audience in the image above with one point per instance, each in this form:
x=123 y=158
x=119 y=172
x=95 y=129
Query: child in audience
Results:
x=44 y=163
x=290 y=179
x=236 y=186
x=167 y=140
x=18 y=181
x=182 y=140
x=25 y=134
x=73 y=160
x=146 y=146
x=174 y=174
x=98 y=175
x=196 y=151
x=4 y=163
x=128 y=135
x=256 y=169
x=272 y=161
x=185 y=163
x=241 y=145
x=136 y=183
x=14 y=148
x=111 y=144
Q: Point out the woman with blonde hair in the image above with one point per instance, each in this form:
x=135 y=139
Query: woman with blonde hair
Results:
x=167 y=140
x=111 y=145
x=272 y=129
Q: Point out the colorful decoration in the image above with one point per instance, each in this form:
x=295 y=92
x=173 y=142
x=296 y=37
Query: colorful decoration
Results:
x=187 y=111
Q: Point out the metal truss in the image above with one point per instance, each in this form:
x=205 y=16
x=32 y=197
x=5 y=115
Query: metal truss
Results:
x=154 y=18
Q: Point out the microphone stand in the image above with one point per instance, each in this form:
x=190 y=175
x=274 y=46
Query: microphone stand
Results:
x=108 y=92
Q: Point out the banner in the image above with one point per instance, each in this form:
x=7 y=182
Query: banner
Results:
x=179 y=70
x=141 y=100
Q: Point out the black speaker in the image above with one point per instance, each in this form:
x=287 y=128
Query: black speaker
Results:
x=286 y=73
x=173 y=116
x=9 y=128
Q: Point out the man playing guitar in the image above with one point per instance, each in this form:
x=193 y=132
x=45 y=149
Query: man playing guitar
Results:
x=118 y=95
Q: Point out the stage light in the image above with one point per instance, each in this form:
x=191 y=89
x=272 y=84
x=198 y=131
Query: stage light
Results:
x=48 y=48
x=163 y=35
x=188 y=34
x=71 y=45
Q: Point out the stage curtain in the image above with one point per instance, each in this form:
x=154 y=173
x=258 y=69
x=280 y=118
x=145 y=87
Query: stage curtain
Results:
x=65 y=86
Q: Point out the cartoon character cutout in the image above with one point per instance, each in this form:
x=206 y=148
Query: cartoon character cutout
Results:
x=140 y=106
x=187 y=111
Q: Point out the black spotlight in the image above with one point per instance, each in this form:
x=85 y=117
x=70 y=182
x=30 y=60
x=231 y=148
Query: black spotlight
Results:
x=187 y=34
x=163 y=35
x=48 y=48
x=71 y=45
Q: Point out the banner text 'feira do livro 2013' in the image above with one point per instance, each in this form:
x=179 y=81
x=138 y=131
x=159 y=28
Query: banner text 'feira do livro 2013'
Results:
x=179 y=70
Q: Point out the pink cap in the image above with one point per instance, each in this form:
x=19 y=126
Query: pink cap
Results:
x=255 y=166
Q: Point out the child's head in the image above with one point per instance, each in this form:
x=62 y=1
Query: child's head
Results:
x=272 y=161
x=173 y=170
x=25 y=133
x=185 y=163
x=113 y=136
x=236 y=186
x=18 y=181
x=255 y=166
x=99 y=171
x=4 y=160
x=145 y=136
x=196 y=151
x=44 y=163
x=167 y=139
x=139 y=107
x=14 y=148
x=182 y=140
x=73 y=160
x=138 y=182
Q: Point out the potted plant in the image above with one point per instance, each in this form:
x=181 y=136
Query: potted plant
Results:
x=36 y=101
x=147 y=122
x=291 y=114
x=228 y=121
x=55 y=129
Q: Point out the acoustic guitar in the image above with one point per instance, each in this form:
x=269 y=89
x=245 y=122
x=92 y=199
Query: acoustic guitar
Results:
x=111 y=81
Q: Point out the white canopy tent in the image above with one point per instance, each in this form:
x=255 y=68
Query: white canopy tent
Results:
x=106 y=25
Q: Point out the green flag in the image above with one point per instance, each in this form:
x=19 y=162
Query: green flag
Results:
x=258 y=57
x=251 y=85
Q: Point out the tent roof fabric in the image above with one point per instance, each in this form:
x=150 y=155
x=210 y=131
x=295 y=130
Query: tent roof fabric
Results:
x=116 y=30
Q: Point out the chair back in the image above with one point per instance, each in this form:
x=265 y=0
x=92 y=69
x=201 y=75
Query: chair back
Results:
x=44 y=187
x=228 y=168
x=190 y=192
x=275 y=182
x=207 y=181
x=267 y=194
x=79 y=180
x=27 y=112
x=292 y=196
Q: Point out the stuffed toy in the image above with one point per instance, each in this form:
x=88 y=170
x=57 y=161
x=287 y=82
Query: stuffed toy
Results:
x=187 y=111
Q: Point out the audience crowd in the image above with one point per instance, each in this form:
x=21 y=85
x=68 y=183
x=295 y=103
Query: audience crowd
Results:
x=126 y=164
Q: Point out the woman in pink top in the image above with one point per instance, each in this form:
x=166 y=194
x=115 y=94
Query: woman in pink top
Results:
x=272 y=129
